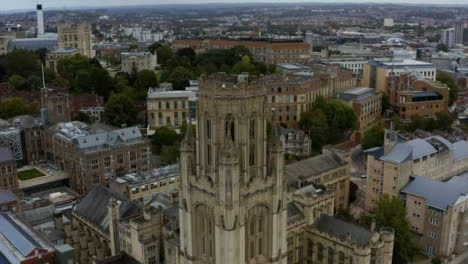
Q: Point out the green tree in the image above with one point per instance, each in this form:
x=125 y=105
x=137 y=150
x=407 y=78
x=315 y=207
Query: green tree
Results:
x=436 y=260
x=442 y=47
x=374 y=137
x=188 y=53
x=446 y=78
x=22 y=62
x=164 y=136
x=152 y=48
x=121 y=86
x=391 y=212
x=385 y=102
x=164 y=54
x=18 y=82
x=315 y=124
x=170 y=154
x=179 y=78
x=444 y=121
x=83 y=117
x=120 y=109
x=85 y=75
x=69 y=66
x=16 y=106
x=244 y=66
x=317 y=48
x=341 y=118
x=144 y=80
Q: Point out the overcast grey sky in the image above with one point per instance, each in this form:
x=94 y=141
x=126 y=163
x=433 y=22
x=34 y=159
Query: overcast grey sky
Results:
x=30 y=4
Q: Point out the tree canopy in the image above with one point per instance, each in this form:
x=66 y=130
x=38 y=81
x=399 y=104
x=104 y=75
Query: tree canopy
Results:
x=85 y=75
x=446 y=78
x=374 y=137
x=442 y=47
x=185 y=64
x=166 y=143
x=22 y=69
x=328 y=121
x=315 y=124
x=16 y=106
x=22 y=62
x=391 y=212
x=442 y=121
x=120 y=109
x=144 y=80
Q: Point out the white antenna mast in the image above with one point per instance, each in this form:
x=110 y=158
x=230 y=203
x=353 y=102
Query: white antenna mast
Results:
x=43 y=75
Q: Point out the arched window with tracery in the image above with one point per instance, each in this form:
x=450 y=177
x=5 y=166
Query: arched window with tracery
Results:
x=252 y=134
x=204 y=238
x=208 y=131
x=258 y=230
x=229 y=128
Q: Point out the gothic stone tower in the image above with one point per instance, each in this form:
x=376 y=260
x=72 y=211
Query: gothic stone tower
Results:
x=232 y=194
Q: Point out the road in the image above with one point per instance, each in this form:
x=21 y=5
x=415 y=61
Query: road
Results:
x=358 y=169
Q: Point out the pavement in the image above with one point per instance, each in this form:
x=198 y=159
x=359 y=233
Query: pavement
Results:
x=460 y=259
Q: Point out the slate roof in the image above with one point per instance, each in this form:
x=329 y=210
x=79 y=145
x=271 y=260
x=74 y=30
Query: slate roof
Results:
x=112 y=138
x=417 y=148
x=357 y=94
x=18 y=240
x=294 y=213
x=7 y=196
x=6 y=154
x=340 y=229
x=376 y=152
x=438 y=194
x=460 y=150
x=313 y=166
x=94 y=207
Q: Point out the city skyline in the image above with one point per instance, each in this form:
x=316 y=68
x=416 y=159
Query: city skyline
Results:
x=57 y=4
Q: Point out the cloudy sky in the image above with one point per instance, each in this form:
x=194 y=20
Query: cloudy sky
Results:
x=30 y=4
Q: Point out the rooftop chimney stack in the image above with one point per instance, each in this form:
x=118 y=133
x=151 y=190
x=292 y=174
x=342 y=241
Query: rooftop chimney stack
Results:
x=40 y=20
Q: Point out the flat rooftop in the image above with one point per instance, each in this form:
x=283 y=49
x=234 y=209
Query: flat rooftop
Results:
x=399 y=63
x=155 y=94
x=158 y=173
x=293 y=66
x=359 y=91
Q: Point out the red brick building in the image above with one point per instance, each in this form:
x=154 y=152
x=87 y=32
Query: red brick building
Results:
x=410 y=96
x=271 y=52
x=21 y=243
x=8 y=177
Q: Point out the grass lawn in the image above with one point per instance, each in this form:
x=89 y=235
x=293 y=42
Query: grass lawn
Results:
x=29 y=174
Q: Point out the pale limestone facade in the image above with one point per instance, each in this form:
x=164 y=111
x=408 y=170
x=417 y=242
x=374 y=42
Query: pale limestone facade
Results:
x=437 y=214
x=76 y=37
x=104 y=224
x=346 y=244
x=166 y=107
x=307 y=205
x=389 y=167
x=233 y=206
x=133 y=62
